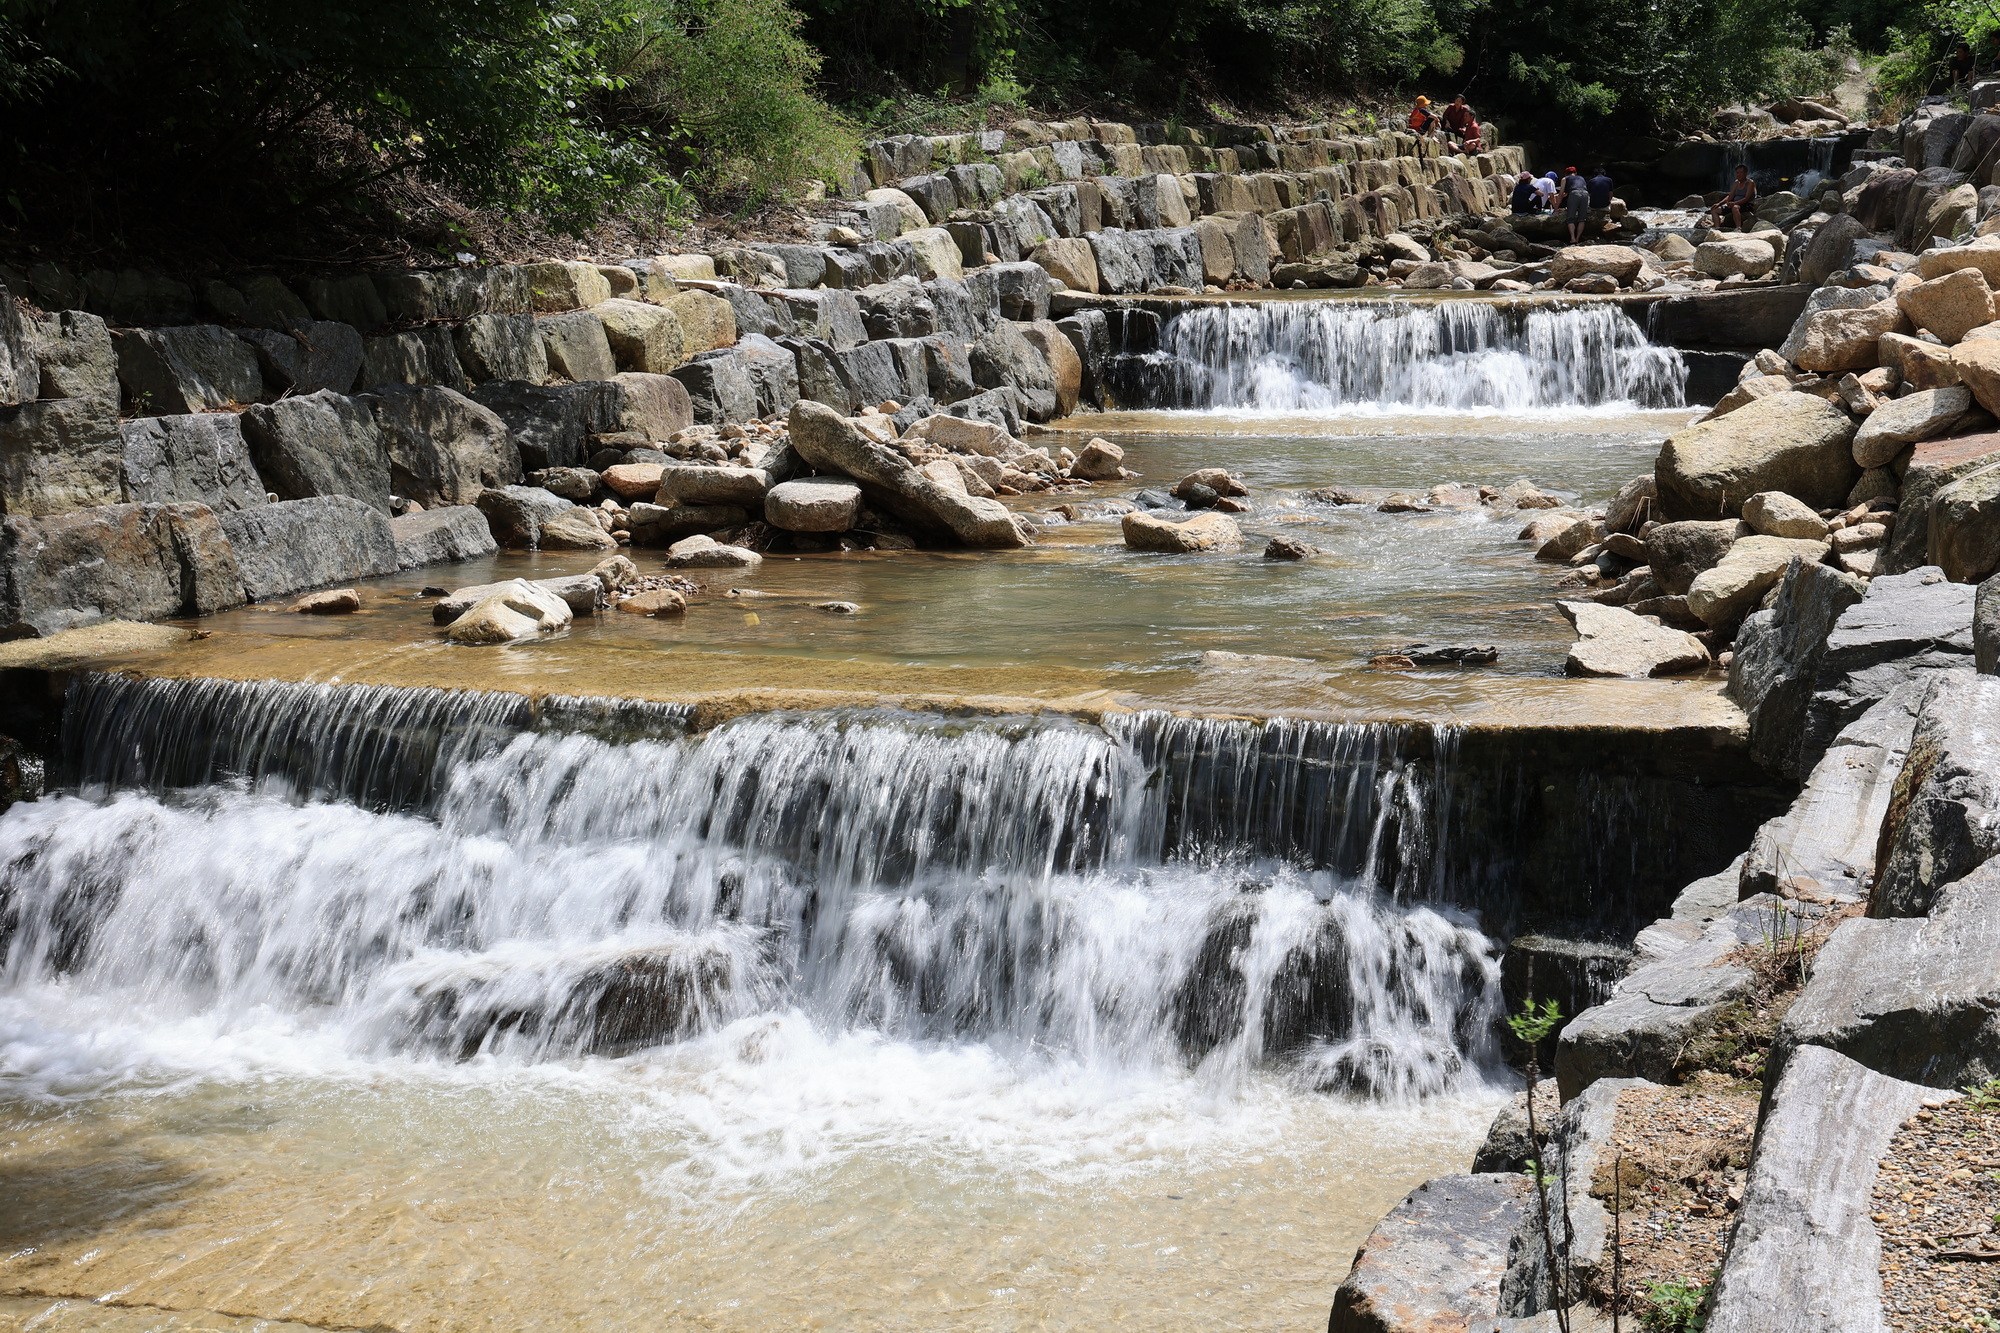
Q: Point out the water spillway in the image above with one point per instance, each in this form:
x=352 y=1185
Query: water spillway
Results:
x=1353 y=355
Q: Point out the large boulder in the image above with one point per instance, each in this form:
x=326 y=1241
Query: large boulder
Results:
x=1950 y=306
x=200 y=458
x=656 y=406
x=813 y=504
x=1842 y=339
x=1206 y=531
x=501 y=347
x=1618 y=261
x=187 y=369
x=1933 y=466
x=576 y=345
x=581 y=592
x=568 y=284
x=1003 y=357
x=830 y=443
x=113 y=562
x=76 y=356
x=1906 y=630
x=696 y=485
x=1797 y=443
x=1831 y=248
x=1070 y=264
x=308 y=356
x=552 y=423
x=319 y=444
x=1677 y=552
x=1962 y=529
x=1722 y=596
x=643 y=336
x=1612 y=641
x=413 y=356
x=1437 y=1260
x=1775 y=514
x=704 y=552
x=442 y=536
x=310 y=543
x=1803 y=1252
x=1901 y=422
x=1946 y=819
x=517 y=611
x=1735 y=256
x=60 y=454
x=530 y=518
x=1776 y=662
x=443 y=448
x=1065 y=366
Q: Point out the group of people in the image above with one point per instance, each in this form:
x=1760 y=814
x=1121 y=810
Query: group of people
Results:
x=1568 y=190
x=1457 y=121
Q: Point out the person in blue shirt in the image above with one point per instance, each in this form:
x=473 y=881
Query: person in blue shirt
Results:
x=1600 y=189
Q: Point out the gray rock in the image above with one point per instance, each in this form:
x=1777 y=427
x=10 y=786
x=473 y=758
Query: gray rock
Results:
x=1831 y=249
x=961 y=312
x=1827 y=298
x=577 y=346
x=656 y=406
x=1792 y=442
x=1090 y=335
x=1962 y=533
x=530 y=518
x=687 y=483
x=1804 y=1254
x=200 y=458
x=813 y=504
x=1123 y=267
x=1986 y=627
x=1579 y=1150
x=442 y=536
x=1436 y=1261
x=113 y=562
x=20 y=372
x=1003 y=357
x=875 y=374
x=1823 y=847
x=550 y=423
x=773 y=374
x=1612 y=641
x=1678 y=552
x=1907 y=627
x=823 y=374
x=310 y=543
x=351 y=300
x=1946 y=819
x=76 y=356
x=60 y=454
x=663 y=525
x=757 y=313
x=720 y=388
x=1023 y=289
x=501 y=347
x=1508 y=1146
x=187 y=369
x=420 y=356
x=581 y=592
x=832 y=316
x=443 y=448
x=320 y=444
x=895 y=310
x=307 y=357
x=259 y=300
x=1777 y=658
x=578 y=485
x=829 y=443
x=1934 y=466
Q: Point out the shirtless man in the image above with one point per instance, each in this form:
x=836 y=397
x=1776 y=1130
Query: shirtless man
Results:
x=1742 y=198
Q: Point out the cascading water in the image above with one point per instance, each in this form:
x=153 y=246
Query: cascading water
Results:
x=410 y=873
x=1327 y=356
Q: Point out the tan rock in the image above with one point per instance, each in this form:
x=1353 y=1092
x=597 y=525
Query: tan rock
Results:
x=1747 y=392
x=1617 y=261
x=906 y=208
x=1207 y=531
x=1791 y=442
x=1065 y=366
x=1070 y=263
x=518 y=610
x=1904 y=421
x=1612 y=641
x=936 y=254
x=660 y=602
x=1983 y=254
x=332 y=602
x=1100 y=460
x=1722 y=596
x=1950 y=306
x=707 y=321
x=1747 y=256
x=633 y=481
x=1978 y=364
x=643 y=336
x=1921 y=364
x=1848 y=339
x=1775 y=514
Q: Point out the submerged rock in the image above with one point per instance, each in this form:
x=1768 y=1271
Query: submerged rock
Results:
x=1203 y=532
x=1613 y=641
x=520 y=610
x=1437 y=1260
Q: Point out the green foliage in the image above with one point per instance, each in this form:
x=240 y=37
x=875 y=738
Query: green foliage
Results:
x=1533 y=1025
x=725 y=87
x=1675 y=1306
x=1983 y=1098
x=1814 y=73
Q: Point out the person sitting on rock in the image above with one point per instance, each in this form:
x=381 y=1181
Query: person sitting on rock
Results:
x=1600 y=189
x=1545 y=186
x=1460 y=120
x=1526 y=198
x=1742 y=198
x=1423 y=120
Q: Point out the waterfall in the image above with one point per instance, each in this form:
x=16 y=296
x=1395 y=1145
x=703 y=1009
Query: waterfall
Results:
x=440 y=875
x=1350 y=355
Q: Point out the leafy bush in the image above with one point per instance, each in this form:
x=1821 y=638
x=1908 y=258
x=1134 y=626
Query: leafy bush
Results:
x=1675 y=1306
x=1814 y=73
x=725 y=87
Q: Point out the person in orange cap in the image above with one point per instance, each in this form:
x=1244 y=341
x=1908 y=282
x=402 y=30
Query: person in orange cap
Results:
x=1423 y=120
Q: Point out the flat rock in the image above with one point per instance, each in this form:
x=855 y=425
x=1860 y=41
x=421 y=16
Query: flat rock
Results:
x=702 y=552
x=813 y=504
x=1775 y=514
x=1776 y=662
x=1908 y=627
x=830 y=443
x=1903 y=421
x=1722 y=596
x=1437 y=1260
x=517 y=610
x=113 y=562
x=1804 y=1254
x=688 y=484
x=1614 y=642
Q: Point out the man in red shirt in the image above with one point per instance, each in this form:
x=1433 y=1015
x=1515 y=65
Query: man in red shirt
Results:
x=1460 y=120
